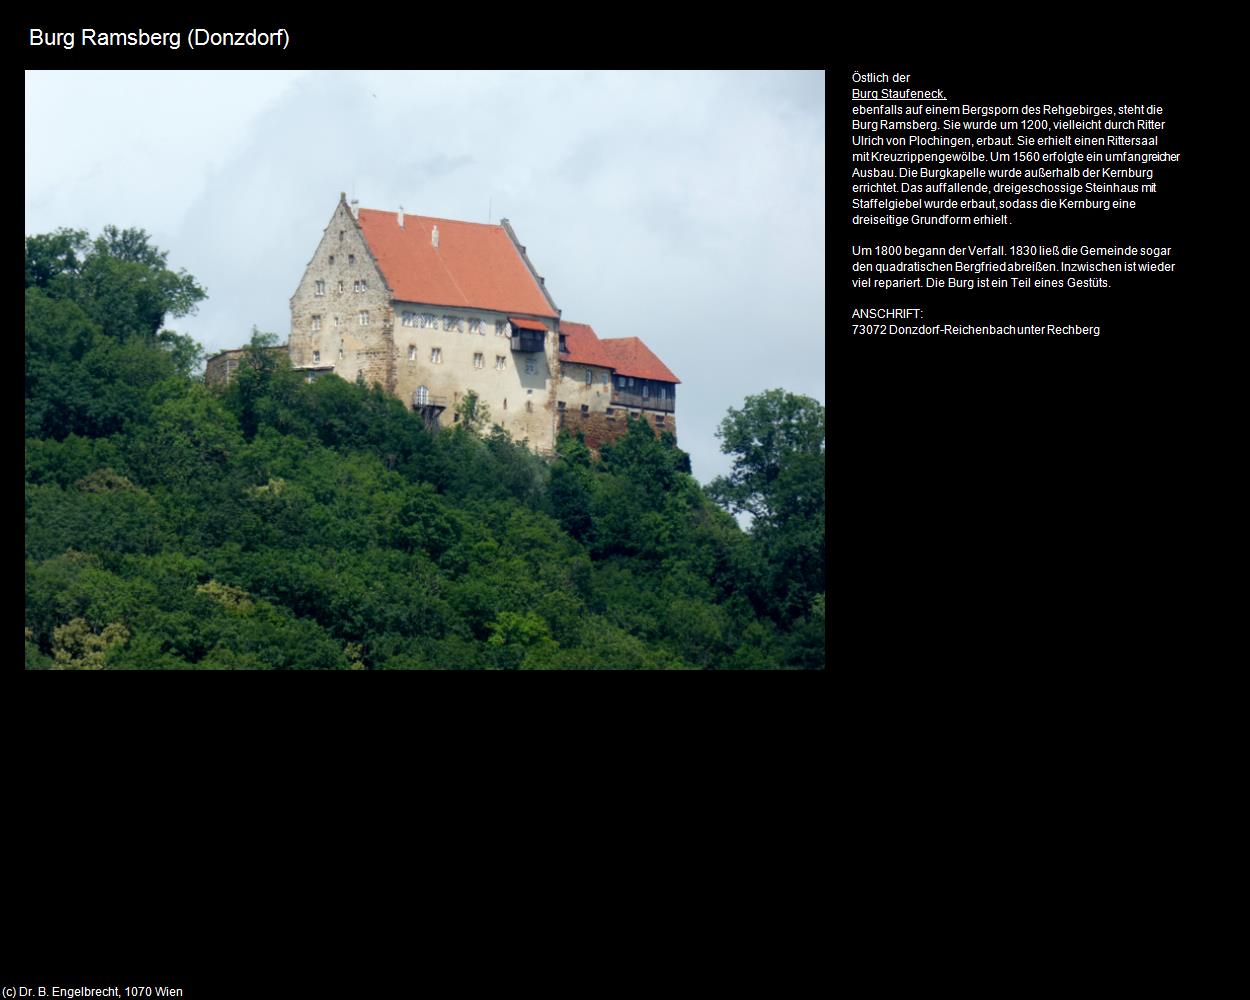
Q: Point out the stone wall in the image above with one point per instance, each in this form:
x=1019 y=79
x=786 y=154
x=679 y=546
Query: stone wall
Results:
x=352 y=349
x=601 y=428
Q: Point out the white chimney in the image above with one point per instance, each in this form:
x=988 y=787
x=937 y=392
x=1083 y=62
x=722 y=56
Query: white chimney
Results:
x=434 y=237
x=355 y=209
x=401 y=216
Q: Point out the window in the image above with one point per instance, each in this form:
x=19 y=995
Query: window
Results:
x=607 y=379
x=408 y=318
x=478 y=361
x=316 y=357
x=560 y=406
x=475 y=326
x=590 y=376
x=341 y=352
x=351 y=258
x=629 y=382
x=430 y=321
x=319 y=288
x=364 y=317
x=436 y=355
x=659 y=418
x=340 y=236
x=451 y=323
x=529 y=366
x=340 y=288
x=646 y=389
x=501 y=328
x=331 y=260
x=412 y=352
x=422 y=396
x=338 y=320
x=316 y=322
x=564 y=346
x=585 y=409
x=529 y=406
x=499 y=362
x=505 y=402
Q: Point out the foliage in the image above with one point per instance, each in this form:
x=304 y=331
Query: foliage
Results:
x=279 y=524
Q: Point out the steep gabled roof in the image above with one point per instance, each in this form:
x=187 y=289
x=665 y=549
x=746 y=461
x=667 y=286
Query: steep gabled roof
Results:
x=474 y=266
x=583 y=345
x=630 y=356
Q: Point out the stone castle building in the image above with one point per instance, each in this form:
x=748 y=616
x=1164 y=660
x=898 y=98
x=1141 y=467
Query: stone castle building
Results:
x=433 y=308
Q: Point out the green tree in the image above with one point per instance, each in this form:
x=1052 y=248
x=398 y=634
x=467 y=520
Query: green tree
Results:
x=772 y=434
x=473 y=412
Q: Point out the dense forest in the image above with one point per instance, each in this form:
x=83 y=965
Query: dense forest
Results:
x=280 y=524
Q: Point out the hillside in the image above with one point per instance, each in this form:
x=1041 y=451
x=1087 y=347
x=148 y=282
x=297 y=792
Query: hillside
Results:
x=287 y=525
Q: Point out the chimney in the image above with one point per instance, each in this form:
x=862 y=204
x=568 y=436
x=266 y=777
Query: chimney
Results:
x=355 y=209
x=434 y=237
x=401 y=216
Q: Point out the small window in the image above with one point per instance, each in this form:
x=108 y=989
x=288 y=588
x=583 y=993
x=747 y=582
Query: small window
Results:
x=316 y=357
x=529 y=406
x=560 y=406
x=505 y=402
x=422 y=396
x=564 y=346
x=364 y=317
x=331 y=260
x=436 y=355
x=529 y=366
x=659 y=418
x=341 y=352
x=630 y=382
x=452 y=323
x=412 y=352
x=590 y=376
x=611 y=413
x=340 y=288
x=499 y=362
x=479 y=361
x=338 y=320
x=351 y=258
x=319 y=288
x=499 y=327
x=340 y=236
x=646 y=389
x=407 y=319
x=475 y=326
x=316 y=322
x=607 y=379
x=585 y=409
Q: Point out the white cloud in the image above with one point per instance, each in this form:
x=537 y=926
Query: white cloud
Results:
x=684 y=208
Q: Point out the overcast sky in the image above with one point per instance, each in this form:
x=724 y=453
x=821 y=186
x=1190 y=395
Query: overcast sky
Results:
x=685 y=208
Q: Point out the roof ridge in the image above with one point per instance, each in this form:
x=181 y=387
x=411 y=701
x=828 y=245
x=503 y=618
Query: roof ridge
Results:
x=433 y=218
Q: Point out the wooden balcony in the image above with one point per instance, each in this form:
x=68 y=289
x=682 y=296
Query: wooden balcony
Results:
x=528 y=340
x=625 y=397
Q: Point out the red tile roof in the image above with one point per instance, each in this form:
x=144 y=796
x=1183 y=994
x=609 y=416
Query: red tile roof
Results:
x=583 y=345
x=633 y=357
x=526 y=324
x=473 y=266
x=628 y=355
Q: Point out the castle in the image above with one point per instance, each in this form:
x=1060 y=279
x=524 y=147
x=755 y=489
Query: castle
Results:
x=432 y=309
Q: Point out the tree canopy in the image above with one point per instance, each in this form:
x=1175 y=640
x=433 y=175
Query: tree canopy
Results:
x=280 y=524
